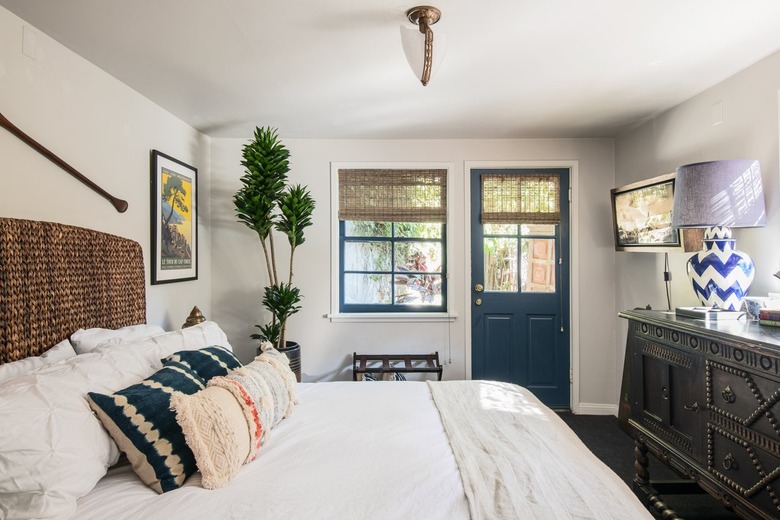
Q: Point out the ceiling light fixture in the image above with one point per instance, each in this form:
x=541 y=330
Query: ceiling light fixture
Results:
x=423 y=55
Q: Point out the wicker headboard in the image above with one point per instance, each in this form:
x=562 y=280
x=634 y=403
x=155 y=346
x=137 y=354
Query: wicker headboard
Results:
x=55 y=279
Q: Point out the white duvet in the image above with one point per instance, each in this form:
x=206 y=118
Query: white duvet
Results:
x=349 y=451
x=361 y=451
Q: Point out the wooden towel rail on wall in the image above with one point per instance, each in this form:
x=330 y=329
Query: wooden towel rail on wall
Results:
x=119 y=204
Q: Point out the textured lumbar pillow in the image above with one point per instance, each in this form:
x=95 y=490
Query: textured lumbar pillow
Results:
x=222 y=427
x=140 y=421
x=225 y=423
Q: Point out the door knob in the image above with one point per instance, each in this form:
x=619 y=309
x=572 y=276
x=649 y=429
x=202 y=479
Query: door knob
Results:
x=479 y=287
x=478 y=301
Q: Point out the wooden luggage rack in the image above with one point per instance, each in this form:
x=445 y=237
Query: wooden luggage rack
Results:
x=400 y=363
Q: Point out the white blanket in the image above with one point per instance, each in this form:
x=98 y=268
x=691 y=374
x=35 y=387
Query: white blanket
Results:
x=518 y=459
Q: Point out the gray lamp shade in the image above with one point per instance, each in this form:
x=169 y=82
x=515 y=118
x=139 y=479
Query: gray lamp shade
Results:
x=719 y=193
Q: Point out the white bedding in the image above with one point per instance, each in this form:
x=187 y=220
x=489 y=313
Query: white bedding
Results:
x=357 y=451
x=349 y=451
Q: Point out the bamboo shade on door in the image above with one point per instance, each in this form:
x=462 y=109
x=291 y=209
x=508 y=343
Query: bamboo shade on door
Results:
x=520 y=199
x=388 y=195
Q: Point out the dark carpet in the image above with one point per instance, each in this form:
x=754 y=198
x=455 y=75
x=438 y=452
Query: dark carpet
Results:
x=603 y=435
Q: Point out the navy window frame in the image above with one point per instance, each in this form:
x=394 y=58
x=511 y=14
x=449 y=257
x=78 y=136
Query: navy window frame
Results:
x=391 y=307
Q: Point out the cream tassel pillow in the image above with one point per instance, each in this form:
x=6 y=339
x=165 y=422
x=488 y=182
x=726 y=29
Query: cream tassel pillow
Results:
x=217 y=431
x=225 y=423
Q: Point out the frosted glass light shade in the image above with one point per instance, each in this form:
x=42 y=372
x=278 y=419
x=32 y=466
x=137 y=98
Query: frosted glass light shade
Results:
x=413 y=42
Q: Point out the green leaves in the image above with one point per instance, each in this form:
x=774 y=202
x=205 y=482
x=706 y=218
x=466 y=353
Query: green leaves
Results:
x=282 y=300
x=269 y=332
x=265 y=202
x=265 y=160
x=296 y=207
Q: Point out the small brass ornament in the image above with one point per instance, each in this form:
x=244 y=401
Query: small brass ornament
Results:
x=194 y=318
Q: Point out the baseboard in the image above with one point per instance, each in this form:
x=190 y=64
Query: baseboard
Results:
x=596 y=409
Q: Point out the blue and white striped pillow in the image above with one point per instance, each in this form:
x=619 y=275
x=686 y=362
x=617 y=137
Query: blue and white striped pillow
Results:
x=141 y=423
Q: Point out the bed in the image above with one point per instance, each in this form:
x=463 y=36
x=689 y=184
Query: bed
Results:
x=434 y=450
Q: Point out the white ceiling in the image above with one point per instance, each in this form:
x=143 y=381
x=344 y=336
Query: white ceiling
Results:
x=335 y=68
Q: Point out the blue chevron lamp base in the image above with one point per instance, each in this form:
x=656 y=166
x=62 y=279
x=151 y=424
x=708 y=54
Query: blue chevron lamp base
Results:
x=720 y=274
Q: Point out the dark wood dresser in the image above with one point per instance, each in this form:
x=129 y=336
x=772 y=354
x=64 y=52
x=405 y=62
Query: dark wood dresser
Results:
x=703 y=398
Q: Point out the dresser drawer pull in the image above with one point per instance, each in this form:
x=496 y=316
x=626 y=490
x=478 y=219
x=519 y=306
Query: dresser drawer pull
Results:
x=665 y=392
x=692 y=407
x=729 y=462
x=728 y=394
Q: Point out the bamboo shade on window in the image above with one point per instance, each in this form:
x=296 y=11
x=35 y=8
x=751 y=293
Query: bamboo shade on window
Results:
x=521 y=199
x=393 y=195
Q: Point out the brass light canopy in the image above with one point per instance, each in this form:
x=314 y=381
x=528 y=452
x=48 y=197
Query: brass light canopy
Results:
x=424 y=16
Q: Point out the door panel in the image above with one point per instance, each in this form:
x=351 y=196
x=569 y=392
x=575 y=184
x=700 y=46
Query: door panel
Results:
x=520 y=298
x=498 y=359
x=542 y=360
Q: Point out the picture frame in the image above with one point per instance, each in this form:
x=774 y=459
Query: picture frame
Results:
x=174 y=219
x=642 y=216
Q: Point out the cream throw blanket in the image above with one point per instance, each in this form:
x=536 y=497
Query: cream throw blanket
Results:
x=519 y=460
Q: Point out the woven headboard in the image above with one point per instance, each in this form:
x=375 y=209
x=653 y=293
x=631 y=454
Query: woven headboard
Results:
x=55 y=279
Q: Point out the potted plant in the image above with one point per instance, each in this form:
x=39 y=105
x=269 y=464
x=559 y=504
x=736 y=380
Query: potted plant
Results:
x=266 y=203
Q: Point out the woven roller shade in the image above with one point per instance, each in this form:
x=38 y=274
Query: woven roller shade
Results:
x=521 y=199
x=393 y=195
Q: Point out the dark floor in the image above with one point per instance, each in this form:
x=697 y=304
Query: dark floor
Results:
x=603 y=435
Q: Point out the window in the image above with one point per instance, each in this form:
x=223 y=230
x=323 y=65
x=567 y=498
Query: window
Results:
x=392 y=240
x=519 y=258
x=519 y=215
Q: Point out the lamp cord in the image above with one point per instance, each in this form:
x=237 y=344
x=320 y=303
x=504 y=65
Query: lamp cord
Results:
x=667 y=281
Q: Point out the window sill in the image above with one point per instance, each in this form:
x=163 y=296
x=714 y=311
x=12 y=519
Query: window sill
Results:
x=391 y=317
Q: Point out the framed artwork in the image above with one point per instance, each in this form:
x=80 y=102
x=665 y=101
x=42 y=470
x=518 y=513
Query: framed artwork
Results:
x=174 y=212
x=642 y=216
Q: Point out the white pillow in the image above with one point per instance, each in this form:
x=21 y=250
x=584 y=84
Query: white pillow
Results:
x=53 y=450
x=14 y=369
x=202 y=335
x=87 y=340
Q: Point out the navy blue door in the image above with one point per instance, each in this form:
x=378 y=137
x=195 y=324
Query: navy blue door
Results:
x=520 y=297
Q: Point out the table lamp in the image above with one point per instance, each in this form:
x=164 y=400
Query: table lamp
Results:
x=719 y=195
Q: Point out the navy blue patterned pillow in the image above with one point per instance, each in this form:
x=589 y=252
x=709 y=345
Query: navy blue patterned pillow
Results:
x=397 y=376
x=207 y=362
x=392 y=376
x=145 y=429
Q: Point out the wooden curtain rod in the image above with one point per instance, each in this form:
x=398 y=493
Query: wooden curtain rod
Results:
x=119 y=204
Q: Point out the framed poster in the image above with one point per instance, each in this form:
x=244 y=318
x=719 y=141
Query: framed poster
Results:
x=174 y=212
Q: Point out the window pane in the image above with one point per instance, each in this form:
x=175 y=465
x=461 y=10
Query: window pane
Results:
x=500 y=264
x=367 y=256
x=500 y=229
x=418 y=289
x=418 y=230
x=367 y=288
x=538 y=229
x=418 y=256
x=538 y=265
x=355 y=228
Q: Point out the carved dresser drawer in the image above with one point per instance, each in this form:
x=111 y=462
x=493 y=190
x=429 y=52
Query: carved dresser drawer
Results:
x=704 y=398
x=745 y=468
x=746 y=398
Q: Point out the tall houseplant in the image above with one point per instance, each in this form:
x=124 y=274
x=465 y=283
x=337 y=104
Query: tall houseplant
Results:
x=266 y=203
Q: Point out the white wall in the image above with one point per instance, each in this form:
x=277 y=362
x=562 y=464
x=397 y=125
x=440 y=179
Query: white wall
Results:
x=327 y=347
x=687 y=134
x=106 y=131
